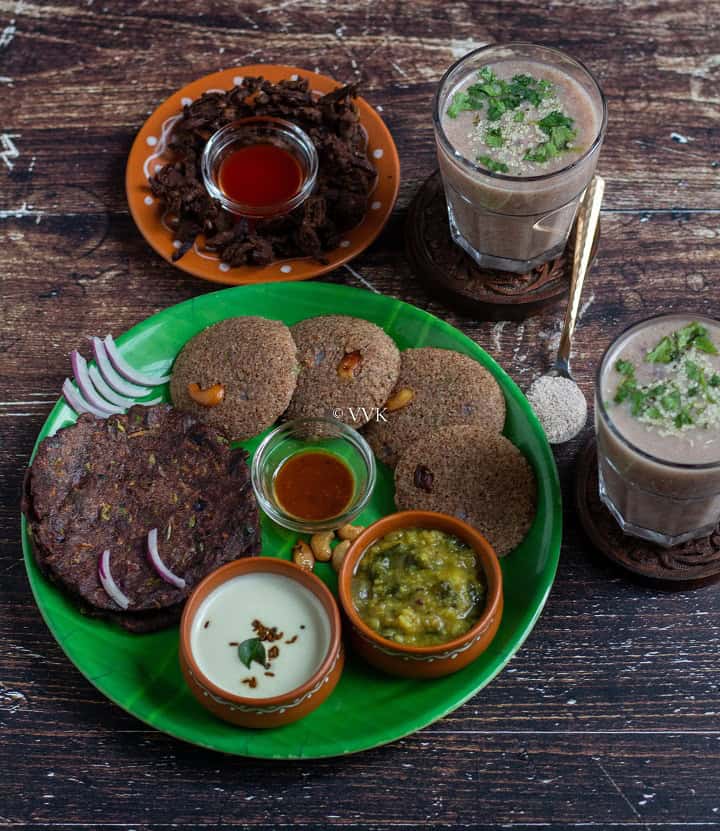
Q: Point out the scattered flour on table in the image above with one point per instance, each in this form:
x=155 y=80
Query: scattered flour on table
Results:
x=559 y=405
x=497 y=331
x=461 y=46
x=11 y=700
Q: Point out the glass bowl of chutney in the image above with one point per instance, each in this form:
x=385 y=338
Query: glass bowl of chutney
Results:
x=313 y=474
x=259 y=167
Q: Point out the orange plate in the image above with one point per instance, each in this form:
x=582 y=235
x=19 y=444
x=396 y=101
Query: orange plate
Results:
x=147 y=152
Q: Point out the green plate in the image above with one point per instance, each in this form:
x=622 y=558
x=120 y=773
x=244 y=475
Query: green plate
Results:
x=140 y=673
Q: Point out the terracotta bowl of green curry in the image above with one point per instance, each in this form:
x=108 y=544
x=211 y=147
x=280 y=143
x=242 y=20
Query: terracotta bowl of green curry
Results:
x=422 y=592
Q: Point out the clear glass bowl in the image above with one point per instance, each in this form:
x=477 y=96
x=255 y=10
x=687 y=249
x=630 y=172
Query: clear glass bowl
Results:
x=259 y=130
x=301 y=435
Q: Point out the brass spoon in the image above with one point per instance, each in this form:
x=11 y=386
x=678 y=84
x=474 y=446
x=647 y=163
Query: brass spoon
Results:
x=560 y=404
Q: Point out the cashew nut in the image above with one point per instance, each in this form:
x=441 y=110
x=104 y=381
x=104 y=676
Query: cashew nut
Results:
x=349 y=365
x=320 y=544
x=350 y=532
x=303 y=556
x=339 y=552
x=210 y=397
x=400 y=399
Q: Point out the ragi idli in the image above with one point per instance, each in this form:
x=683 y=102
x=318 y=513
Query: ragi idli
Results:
x=348 y=366
x=475 y=475
x=253 y=358
x=435 y=388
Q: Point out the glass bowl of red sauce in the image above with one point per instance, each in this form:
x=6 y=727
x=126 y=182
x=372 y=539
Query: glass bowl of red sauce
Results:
x=313 y=474
x=259 y=167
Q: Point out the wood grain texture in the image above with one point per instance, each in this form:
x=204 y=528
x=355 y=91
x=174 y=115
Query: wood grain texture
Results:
x=609 y=716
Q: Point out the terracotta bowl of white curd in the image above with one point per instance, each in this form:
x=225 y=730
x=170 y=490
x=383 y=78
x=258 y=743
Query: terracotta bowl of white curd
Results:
x=260 y=642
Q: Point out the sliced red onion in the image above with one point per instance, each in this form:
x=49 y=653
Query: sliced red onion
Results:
x=111 y=376
x=106 y=578
x=109 y=393
x=78 y=403
x=127 y=372
x=157 y=563
x=85 y=385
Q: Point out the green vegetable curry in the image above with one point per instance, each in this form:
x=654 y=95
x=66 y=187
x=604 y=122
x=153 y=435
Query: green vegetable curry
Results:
x=419 y=587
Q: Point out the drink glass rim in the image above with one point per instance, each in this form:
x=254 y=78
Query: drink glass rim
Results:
x=602 y=409
x=475 y=168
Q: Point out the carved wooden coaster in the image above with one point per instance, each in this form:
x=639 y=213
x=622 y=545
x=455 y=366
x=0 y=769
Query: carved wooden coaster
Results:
x=456 y=279
x=687 y=566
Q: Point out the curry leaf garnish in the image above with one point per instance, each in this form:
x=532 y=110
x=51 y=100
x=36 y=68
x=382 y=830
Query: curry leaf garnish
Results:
x=251 y=650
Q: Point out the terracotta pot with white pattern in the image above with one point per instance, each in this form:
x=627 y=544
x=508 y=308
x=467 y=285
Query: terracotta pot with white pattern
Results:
x=423 y=661
x=281 y=709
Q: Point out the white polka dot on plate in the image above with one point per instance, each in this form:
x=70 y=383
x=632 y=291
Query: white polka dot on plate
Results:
x=378 y=154
x=286 y=269
x=151 y=140
x=376 y=206
x=186 y=101
x=294 y=77
x=148 y=200
x=345 y=243
x=158 y=167
x=224 y=267
x=238 y=79
x=176 y=243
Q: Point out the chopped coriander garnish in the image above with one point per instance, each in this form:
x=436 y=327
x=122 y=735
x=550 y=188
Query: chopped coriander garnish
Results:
x=496 y=109
x=694 y=334
x=493 y=138
x=521 y=123
x=561 y=132
x=671 y=401
x=462 y=101
x=491 y=164
x=665 y=352
x=558 y=126
x=499 y=95
x=627 y=386
x=521 y=118
x=680 y=395
x=671 y=347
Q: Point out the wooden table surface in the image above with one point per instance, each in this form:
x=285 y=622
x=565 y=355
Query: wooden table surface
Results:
x=609 y=716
